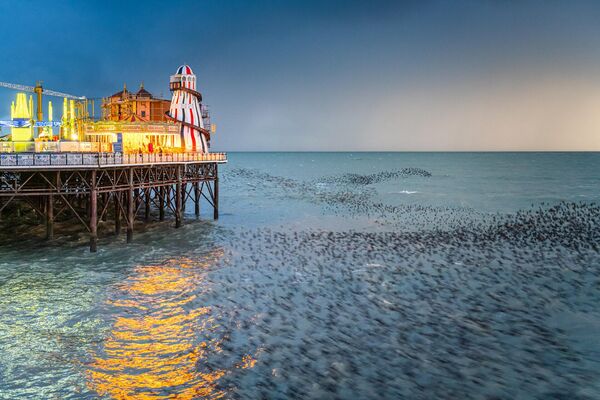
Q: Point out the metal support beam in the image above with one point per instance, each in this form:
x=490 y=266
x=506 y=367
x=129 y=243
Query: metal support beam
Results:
x=161 y=204
x=197 y=198
x=216 y=195
x=183 y=197
x=117 y=202
x=85 y=194
x=147 y=204
x=50 y=217
x=130 y=207
x=93 y=214
x=178 y=211
x=137 y=197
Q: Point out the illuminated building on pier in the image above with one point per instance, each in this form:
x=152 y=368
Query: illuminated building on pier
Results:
x=140 y=105
x=141 y=152
x=186 y=109
x=132 y=122
x=22 y=111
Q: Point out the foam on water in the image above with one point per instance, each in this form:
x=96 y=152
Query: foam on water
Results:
x=406 y=192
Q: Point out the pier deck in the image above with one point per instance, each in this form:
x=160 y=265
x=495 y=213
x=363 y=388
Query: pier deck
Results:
x=88 y=187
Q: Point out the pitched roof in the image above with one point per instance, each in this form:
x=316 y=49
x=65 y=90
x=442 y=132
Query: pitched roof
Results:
x=122 y=92
x=143 y=92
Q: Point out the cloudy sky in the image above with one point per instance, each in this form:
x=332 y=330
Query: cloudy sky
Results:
x=329 y=74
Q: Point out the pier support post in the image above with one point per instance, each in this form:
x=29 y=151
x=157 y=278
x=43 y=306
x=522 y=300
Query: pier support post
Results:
x=178 y=185
x=147 y=204
x=197 y=198
x=137 y=197
x=161 y=203
x=117 y=201
x=216 y=194
x=130 y=207
x=89 y=194
x=50 y=217
x=93 y=214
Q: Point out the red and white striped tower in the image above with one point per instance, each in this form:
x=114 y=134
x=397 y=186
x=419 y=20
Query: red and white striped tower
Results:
x=185 y=109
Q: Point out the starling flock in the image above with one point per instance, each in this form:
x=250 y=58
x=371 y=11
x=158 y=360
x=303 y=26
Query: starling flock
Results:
x=424 y=302
x=461 y=304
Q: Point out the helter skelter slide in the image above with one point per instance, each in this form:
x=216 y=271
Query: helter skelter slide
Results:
x=186 y=110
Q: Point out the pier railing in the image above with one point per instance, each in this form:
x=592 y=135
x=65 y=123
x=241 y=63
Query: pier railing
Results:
x=55 y=147
x=103 y=159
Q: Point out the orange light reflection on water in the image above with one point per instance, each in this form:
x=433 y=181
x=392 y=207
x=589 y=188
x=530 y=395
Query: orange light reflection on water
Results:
x=152 y=351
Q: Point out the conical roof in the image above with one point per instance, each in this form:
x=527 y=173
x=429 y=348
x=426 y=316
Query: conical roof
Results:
x=185 y=70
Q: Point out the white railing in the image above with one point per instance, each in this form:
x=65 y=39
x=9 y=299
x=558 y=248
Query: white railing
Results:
x=102 y=159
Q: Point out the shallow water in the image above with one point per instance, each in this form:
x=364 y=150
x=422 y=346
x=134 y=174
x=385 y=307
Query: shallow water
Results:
x=328 y=275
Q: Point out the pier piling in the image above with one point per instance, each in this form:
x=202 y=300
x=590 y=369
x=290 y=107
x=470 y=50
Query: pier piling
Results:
x=147 y=204
x=93 y=214
x=161 y=203
x=216 y=195
x=117 y=201
x=197 y=199
x=89 y=193
x=178 y=210
x=130 y=207
x=50 y=217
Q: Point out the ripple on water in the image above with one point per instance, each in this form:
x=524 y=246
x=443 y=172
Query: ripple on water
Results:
x=162 y=339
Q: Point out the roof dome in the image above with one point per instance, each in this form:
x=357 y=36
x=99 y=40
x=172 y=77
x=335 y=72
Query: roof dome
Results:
x=143 y=92
x=185 y=70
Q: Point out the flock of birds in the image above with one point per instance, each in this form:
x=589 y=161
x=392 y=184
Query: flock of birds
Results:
x=436 y=302
x=351 y=195
x=369 y=179
x=456 y=308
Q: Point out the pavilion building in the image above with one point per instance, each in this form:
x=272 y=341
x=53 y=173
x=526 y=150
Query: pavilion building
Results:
x=138 y=106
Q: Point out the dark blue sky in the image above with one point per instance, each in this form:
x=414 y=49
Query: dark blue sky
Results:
x=333 y=75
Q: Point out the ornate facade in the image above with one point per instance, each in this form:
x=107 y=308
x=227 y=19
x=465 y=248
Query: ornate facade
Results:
x=137 y=106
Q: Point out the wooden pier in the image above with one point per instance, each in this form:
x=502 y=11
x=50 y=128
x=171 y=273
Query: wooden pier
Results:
x=89 y=187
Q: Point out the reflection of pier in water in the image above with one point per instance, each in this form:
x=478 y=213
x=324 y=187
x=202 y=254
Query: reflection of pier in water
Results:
x=154 y=349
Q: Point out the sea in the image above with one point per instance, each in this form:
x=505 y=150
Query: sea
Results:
x=327 y=276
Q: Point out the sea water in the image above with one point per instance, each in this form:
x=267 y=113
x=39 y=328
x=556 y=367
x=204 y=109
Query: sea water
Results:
x=327 y=275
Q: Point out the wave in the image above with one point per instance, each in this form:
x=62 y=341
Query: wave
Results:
x=405 y=192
